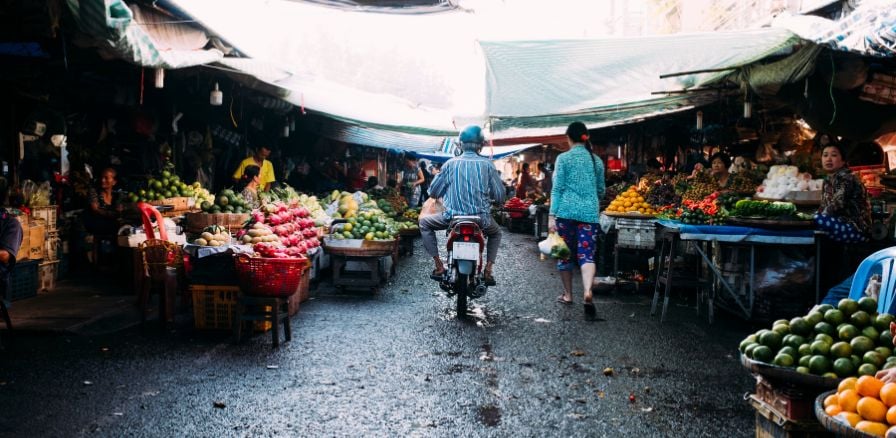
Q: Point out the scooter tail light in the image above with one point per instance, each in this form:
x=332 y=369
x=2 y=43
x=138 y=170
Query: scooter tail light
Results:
x=466 y=230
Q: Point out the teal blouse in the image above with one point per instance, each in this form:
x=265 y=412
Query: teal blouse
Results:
x=578 y=186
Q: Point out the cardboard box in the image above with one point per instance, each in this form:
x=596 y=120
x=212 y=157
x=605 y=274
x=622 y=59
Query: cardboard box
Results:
x=25 y=248
x=36 y=235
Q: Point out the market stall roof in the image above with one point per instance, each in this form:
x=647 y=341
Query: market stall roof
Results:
x=868 y=30
x=547 y=84
x=139 y=35
x=339 y=66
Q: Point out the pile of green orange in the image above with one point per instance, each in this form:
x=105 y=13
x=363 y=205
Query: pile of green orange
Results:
x=848 y=340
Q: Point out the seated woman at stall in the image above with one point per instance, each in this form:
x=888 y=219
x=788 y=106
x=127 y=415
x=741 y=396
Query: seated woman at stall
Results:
x=104 y=206
x=719 y=164
x=248 y=185
x=845 y=213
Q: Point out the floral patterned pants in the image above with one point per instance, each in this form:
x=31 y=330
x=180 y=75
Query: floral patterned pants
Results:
x=581 y=238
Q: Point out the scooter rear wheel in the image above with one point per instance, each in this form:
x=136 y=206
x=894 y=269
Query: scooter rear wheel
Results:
x=461 y=289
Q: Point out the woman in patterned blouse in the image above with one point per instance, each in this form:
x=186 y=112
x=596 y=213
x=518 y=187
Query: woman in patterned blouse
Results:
x=845 y=213
x=575 y=201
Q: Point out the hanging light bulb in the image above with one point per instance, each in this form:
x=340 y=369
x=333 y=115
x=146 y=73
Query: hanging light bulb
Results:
x=160 y=78
x=216 y=97
x=699 y=119
x=748 y=109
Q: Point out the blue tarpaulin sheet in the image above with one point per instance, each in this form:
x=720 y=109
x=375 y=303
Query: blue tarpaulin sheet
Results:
x=738 y=234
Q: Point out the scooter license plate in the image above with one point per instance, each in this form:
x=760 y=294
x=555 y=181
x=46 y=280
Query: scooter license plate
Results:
x=465 y=251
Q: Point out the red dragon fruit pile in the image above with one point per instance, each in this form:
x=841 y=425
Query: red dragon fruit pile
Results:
x=292 y=231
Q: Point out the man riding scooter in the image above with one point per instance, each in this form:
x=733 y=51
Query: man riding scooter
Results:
x=468 y=185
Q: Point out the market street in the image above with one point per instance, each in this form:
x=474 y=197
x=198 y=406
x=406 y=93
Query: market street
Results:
x=399 y=364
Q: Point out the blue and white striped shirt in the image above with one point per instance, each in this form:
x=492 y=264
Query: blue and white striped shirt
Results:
x=468 y=184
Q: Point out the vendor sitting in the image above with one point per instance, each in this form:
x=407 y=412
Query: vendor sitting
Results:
x=105 y=207
x=249 y=184
x=845 y=213
x=719 y=164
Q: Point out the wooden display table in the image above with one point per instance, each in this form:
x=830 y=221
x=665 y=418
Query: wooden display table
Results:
x=360 y=263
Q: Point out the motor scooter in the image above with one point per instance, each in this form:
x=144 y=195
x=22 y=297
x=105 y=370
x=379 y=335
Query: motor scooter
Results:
x=463 y=272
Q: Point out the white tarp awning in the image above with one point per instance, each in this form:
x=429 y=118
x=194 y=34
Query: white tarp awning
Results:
x=432 y=74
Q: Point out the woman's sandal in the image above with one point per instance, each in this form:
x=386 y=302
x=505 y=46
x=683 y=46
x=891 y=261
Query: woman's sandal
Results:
x=562 y=301
x=590 y=310
x=436 y=275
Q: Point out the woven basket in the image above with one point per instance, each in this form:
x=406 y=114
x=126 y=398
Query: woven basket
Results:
x=196 y=222
x=409 y=232
x=269 y=277
x=830 y=423
x=359 y=248
x=180 y=203
x=789 y=375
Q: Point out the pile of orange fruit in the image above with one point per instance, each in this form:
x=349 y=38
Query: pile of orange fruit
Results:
x=865 y=403
x=630 y=201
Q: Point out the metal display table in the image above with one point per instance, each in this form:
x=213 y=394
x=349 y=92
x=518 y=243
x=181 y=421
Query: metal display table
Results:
x=747 y=237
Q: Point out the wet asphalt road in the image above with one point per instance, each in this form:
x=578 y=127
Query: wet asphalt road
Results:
x=399 y=364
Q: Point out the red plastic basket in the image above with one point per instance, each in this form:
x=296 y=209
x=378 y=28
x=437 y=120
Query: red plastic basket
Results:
x=269 y=277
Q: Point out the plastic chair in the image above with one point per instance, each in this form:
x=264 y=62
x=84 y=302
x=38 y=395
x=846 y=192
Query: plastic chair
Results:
x=158 y=257
x=147 y=211
x=886 y=257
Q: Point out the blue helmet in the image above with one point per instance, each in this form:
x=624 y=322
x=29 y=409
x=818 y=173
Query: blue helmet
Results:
x=471 y=134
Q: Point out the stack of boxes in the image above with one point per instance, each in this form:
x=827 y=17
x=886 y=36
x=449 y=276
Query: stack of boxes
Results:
x=49 y=249
x=24 y=280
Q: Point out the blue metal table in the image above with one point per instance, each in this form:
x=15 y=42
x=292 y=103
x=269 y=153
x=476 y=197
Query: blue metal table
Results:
x=749 y=237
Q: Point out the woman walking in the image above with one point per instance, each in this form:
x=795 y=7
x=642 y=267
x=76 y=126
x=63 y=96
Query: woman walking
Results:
x=575 y=204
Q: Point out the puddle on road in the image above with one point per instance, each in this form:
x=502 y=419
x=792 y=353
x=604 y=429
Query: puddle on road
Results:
x=476 y=314
x=489 y=415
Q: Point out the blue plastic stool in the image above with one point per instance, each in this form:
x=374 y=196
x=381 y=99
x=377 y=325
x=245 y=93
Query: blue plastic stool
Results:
x=887 y=258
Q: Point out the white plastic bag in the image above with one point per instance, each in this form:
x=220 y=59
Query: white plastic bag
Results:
x=544 y=246
x=553 y=246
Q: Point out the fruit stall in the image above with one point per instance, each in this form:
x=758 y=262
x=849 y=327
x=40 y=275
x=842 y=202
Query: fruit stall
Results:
x=236 y=257
x=517 y=215
x=815 y=373
x=718 y=240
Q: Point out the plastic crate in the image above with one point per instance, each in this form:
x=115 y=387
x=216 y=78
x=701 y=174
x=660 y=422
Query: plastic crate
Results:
x=47 y=273
x=214 y=307
x=23 y=280
x=635 y=233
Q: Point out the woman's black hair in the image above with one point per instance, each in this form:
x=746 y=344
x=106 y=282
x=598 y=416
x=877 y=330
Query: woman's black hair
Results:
x=578 y=132
x=836 y=145
x=726 y=160
x=249 y=173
